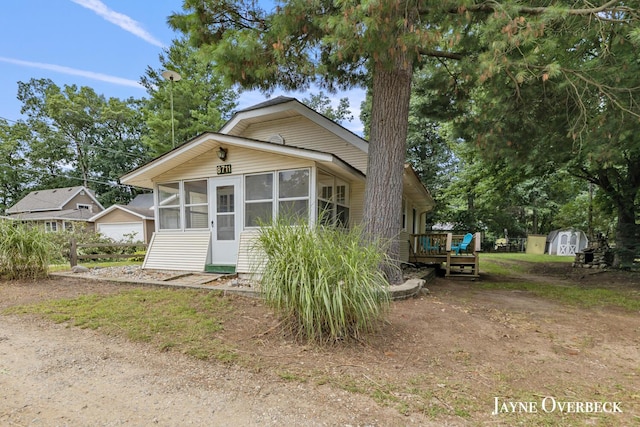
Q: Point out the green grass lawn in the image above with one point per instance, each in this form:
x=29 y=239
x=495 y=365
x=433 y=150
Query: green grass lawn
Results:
x=507 y=263
x=184 y=319
x=569 y=293
x=190 y=322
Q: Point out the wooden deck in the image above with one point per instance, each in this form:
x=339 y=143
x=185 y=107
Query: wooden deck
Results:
x=435 y=248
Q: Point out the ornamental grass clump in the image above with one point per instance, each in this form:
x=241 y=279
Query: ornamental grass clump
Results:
x=325 y=283
x=25 y=251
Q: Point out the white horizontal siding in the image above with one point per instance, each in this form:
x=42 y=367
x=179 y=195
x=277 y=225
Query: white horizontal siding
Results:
x=303 y=133
x=356 y=208
x=249 y=256
x=188 y=251
x=242 y=161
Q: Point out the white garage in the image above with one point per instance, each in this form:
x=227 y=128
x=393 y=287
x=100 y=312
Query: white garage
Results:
x=120 y=222
x=124 y=231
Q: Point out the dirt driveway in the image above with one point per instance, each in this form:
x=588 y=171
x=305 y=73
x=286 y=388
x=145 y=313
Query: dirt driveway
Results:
x=448 y=358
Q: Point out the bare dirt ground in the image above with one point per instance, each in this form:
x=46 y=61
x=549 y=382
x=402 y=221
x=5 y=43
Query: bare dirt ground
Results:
x=442 y=359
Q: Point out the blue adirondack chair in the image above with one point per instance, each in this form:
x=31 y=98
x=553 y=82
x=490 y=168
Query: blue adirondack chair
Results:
x=428 y=246
x=462 y=246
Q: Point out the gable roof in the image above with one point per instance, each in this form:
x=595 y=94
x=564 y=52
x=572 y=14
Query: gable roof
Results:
x=143 y=176
x=142 y=213
x=284 y=107
x=142 y=201
x=277 y=108
x=50 y=200
x=66 y=215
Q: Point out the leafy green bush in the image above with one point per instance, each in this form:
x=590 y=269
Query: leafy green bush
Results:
x=82 y=236
x=325 y=283
x=25 y=251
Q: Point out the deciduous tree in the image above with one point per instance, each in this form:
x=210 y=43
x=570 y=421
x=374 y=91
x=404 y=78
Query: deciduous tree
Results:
x=77 y=137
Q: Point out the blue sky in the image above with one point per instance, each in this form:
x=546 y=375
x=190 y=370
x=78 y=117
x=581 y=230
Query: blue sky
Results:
x=103 y=44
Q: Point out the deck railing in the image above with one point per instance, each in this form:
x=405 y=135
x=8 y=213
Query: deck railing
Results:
x=440 y=243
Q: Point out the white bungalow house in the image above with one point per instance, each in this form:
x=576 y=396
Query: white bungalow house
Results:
x=213 y=191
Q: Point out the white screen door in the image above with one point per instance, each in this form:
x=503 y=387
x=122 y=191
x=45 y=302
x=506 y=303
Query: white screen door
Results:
x=226 y=219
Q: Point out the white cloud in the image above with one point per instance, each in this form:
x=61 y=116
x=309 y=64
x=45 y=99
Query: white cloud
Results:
x=74 y=72
x=119 y=19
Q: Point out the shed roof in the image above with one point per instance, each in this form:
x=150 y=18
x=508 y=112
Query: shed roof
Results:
x=142 y=213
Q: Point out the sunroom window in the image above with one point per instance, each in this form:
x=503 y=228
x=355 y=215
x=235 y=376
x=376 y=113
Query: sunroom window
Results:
x=196 y=208
x=169 y=206
x=258 y=199
x=333 y=200
x=293 y=194
x=289 y=197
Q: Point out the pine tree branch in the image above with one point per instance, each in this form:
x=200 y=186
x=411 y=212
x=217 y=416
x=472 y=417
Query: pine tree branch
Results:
x=441 y=54
x=492 y=6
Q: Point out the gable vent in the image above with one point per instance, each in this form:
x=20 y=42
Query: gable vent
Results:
x=277 y=139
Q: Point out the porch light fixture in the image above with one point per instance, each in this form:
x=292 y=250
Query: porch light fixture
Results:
x=222 y=154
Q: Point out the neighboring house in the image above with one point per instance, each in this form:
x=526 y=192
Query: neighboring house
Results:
x=57 y=209
x=134 y=221
x=213 y=191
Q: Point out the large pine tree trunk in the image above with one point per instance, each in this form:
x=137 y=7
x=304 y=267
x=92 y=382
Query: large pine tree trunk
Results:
x=627 y=235
x=387 y=151
x=622 y=189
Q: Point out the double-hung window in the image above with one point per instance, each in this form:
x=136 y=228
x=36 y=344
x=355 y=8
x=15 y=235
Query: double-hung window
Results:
x=333 y=200
x=183 y=205
x=169 y=206
x=281 y=193
x=293 y=194
x=258 y=206
x=196 y=206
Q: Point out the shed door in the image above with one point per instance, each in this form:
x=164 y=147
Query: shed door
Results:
x=567 y=243
x=226 y=219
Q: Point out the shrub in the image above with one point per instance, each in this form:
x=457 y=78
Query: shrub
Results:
x=25 y=251
x=325 y=283
x=82 y=236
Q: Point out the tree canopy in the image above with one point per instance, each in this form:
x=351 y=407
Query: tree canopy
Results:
x=380 y=44
x=201 y=101
x=73 y=136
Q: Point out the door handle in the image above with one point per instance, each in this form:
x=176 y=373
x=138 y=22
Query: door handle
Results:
x=212 y=225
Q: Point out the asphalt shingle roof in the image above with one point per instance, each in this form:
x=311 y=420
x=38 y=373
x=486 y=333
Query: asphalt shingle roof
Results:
x=44 y=200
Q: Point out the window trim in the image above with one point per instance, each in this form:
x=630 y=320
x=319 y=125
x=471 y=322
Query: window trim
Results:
x=275 y=194
x=181 y=205
x=336 y=182
x=86 y=206
x=160 y=206
x=186 y=205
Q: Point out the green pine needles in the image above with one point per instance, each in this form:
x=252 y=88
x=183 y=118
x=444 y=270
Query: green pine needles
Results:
x=25 y=251
x=325 y=283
